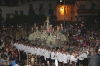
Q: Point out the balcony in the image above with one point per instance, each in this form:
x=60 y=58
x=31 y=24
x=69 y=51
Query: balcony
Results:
x=88 y=11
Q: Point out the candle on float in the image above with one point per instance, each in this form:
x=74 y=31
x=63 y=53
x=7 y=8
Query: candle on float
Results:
x=37 y=28
x=32 y=29
x=48 y=30
x=61 y=25
x=57 y=28
x=82 y=25
x=50 y=26
x=34 y=24
x=47 y=22
x=41 y=27
x=53 y=29
x=62 y=28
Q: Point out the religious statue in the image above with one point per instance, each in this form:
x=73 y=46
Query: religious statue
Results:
x=47 y=21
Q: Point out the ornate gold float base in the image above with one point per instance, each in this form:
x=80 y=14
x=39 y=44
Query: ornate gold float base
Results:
x=31 y=59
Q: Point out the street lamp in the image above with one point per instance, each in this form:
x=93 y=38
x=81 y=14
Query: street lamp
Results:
x=64 y=13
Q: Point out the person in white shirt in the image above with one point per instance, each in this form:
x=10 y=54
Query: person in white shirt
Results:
x=47 y=56
x=14 y=44
x=43 y=50
x=57 y=54
x=65 y=59
x=53 y=56
x=85 y=55
x=81 y=58
x=68 y=56
x=35 y=50
x=32 y=50
x=28 y=48
x=60 y=59
x=73 y=58
x=38 y=53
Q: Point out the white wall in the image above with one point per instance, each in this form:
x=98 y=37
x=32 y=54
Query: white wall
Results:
x=24 y=8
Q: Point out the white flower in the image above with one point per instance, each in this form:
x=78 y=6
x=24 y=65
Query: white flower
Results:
x=43 y=35
x=34 y=35
x=50 y=39
x=63 y=37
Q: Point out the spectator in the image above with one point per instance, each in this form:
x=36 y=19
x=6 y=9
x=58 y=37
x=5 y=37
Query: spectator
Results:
x=94 y=60
x=13 y=63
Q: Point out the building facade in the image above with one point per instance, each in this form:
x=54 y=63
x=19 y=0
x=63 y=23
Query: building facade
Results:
x=87 y=7
x=37 y=7
x=42 y=7
x=70 y=12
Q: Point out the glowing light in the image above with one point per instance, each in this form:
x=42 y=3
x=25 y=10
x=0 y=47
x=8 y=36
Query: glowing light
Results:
x=60 y=0
x=62 y=10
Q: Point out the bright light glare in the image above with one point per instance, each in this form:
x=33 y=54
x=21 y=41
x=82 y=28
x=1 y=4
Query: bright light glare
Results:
x=60 y=0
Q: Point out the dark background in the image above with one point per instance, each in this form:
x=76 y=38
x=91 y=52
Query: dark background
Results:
x=16 y=2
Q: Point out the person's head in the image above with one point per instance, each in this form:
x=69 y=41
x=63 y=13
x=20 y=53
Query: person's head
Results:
x=62 y=51
x=73 y=53
x=99 y=50
x=66 y=52
x=58 y=50
x=13 y=59
x=53 y=49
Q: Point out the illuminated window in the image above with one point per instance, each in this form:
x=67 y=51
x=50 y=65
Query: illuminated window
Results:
x=62 y=10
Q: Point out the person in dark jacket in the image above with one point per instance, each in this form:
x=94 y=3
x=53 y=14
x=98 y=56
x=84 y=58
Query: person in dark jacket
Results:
x=94 y=60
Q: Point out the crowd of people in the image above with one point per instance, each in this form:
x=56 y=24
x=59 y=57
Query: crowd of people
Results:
x=66 y=56
x=83 y=48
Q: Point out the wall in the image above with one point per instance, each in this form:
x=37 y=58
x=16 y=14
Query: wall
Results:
x=68 y=15
x=25 y=8
x=88 y=5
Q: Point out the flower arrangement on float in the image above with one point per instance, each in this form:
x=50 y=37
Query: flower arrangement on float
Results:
x=48 y=35
x=35 y=35
x=49 y=38
x=43 y=35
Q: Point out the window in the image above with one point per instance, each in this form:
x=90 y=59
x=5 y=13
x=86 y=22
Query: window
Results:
x=31 y=10
x=21 y=13
x=50 y=10
x=82 y=6
x=62 y=10
x=41 y=10
x=16 y=12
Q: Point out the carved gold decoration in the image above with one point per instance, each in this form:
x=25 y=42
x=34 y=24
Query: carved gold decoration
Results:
x=31 y=59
